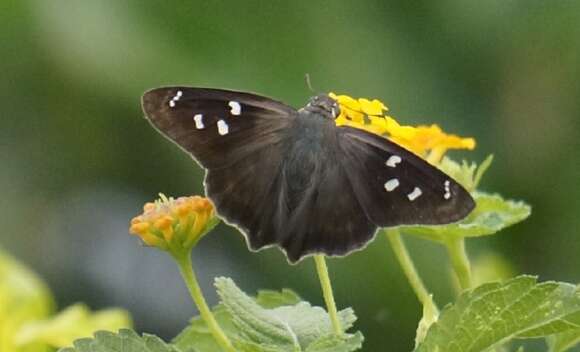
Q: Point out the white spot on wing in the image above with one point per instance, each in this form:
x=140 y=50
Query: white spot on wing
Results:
x=236 y=108
x=390 y=185
x=198 y=118
x=223 y=127
x=415 y=194
x=447 y=194
x=393 y=161
x=175 y=98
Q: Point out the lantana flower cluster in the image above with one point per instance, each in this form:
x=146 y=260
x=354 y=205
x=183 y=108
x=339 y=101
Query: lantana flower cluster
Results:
x=174 y=225
x=429 y=142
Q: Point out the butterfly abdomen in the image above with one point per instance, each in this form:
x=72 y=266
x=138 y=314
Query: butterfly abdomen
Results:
x=314 y=217
x=309 y=146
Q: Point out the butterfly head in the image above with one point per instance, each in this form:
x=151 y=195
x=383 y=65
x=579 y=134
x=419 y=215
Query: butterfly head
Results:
x=324 y=105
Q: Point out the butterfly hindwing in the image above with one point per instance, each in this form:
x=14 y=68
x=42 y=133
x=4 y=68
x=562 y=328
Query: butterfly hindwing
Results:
x=396 y=187
x=303 y=202
x=246 y=193
x=216 y=126
x=328 y=218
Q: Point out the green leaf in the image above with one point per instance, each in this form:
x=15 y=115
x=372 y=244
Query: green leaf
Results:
x=466 y=174
x=564 y=341
x=491 y=214
x=494 y=313
x=125 y=341
x=198 y=337
x=273 y=299
x=485 y=164
x=23 y=298
x=292 y=327
x=273 y=321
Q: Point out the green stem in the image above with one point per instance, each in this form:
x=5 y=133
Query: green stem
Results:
x=429 y=306
x=327 y=292
x=186 y=269
x=460 y=262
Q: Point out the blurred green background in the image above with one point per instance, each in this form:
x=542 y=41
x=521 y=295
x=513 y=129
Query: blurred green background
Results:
x=78 y=160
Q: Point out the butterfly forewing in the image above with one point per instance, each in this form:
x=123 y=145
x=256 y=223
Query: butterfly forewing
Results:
x=242 y=154
x=396 y=187
x=216 y=126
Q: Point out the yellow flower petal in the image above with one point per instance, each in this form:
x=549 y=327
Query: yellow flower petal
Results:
x=374 y=107
x=346 y=101
x=429 y=142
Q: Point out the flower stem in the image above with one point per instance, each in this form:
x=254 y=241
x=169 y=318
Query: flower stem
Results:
x=186 y=269
x=429 y=306
x=460 y=261
x=327 y=292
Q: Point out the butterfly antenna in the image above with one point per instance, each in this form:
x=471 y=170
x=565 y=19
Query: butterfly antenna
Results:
x=308 y=84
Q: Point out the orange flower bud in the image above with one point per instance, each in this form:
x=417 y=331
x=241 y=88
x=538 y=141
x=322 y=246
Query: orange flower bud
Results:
x=174 y=225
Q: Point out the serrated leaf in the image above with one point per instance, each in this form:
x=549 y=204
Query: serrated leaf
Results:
x=198 y=335
x=491 y=214
x=125 y=340
x=290 y=327
x=495 y=313
x=564 y=341
x=255 y=323
x=271 y=322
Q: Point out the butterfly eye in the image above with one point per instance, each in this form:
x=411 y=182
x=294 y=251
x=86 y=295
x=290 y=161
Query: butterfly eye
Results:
x=334 y=110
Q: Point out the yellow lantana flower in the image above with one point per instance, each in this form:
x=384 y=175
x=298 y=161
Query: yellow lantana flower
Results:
x=174 y=225
x=429 y=142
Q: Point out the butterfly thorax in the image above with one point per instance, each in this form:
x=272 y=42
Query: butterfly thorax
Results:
x=323 y=105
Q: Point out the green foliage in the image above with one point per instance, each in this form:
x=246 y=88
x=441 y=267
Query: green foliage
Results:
x=491 y=214
x=564 y=341
x=273 y=321
x=273 y=299
x=467 y=174
x=492 y=314
x=125 y=341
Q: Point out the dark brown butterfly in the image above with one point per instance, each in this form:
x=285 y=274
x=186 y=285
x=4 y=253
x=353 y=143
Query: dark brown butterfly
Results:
x=292 y=178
